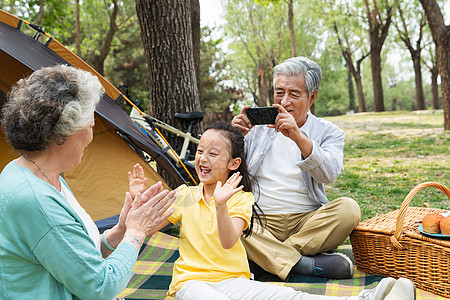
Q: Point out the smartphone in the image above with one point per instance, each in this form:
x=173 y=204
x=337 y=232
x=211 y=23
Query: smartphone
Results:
x=262 y=115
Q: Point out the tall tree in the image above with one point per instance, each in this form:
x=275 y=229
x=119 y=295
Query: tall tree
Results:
x=100 y=23
x=434 y=86
x=351 y=92
x=196 y=36
x=441 y=38
x=291 y=26
x=430 y=62
x=167 y=39
x=99 y=59
x=41 y=13
x=217 y=97
x=379 y=18
x=258 y=33
x=290 y=5
x=347 y=52
x=345 y=19
x=77 y=28
x=407 y=27
x=213 y=73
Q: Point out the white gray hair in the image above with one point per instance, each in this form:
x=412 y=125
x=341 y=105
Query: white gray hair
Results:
x=300 y=65
x=48 y=106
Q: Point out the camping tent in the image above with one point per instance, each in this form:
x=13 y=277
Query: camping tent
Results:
x=100 y=181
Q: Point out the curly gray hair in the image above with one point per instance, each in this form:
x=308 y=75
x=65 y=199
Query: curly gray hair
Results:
x=300 y=66
x=48 y=106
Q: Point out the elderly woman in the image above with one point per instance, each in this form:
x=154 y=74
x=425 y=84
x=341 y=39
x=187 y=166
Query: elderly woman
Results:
x=50 y=248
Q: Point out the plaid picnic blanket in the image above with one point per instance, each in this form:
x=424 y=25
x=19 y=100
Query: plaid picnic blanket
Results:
x=153 y=271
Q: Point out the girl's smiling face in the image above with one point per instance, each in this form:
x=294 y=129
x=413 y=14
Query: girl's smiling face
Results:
x=213 y=160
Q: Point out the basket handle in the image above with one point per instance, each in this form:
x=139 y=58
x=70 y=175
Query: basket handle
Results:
x=402 y=211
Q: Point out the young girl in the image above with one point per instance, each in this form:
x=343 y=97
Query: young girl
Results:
x=213 y=215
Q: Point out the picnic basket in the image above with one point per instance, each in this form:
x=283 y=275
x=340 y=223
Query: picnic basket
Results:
x=391 y=245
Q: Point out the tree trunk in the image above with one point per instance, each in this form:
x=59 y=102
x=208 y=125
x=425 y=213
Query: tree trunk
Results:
x=434 y=87
x=356 y=72
x=394 y=104
x=406 y=36
x=39 y=20
x=291 y=27
x=77 y=28
x=41 y=13
x=167 y=40
x=262 y=101
x=378 y=30
x=195 y=29
x=420 y=98
x=441 y=38
x=375 y=62
x=99 y=61
x=360 y=93
x=351 y=91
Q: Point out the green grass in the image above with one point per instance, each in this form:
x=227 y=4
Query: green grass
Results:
x=387 y=154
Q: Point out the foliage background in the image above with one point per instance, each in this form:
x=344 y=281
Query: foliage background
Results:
x=237 y=56
x=395 y=150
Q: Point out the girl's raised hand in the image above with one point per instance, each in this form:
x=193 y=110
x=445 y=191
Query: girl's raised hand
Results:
x=138 y=183
x=224 y=192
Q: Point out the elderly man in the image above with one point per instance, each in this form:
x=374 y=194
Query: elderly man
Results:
x=291 y=161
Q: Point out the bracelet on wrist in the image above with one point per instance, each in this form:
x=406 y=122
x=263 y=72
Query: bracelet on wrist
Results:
x=105 y=241
x=134 y=238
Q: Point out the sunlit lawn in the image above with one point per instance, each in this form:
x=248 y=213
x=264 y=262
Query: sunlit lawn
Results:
x=388 y=154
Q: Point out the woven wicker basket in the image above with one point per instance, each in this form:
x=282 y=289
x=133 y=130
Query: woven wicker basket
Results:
x=392 y=245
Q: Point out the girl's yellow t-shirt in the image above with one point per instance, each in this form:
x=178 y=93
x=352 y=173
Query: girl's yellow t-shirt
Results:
x=202 y=256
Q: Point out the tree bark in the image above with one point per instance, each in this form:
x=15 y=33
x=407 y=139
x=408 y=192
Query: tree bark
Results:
x=378 y=31
x=291 y=27
x=356 y=72
x=99 y=60
x=41 y=13
x=434 y=87
x=359 y=84
x=441 y=38
x=195 y=29
x=420 y=98
x=377 y=82
x=394 y=104
x=167 y=39
x=360 y=94
x=351 y=91
x=415 y=53
x=262 y=101
x=77 y=28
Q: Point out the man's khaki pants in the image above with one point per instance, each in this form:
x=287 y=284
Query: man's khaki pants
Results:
x=287 y=237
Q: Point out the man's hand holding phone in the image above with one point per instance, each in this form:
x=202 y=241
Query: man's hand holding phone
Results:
x=286 y=123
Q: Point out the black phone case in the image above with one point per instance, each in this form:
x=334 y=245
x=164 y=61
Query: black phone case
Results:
x=262 y=115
